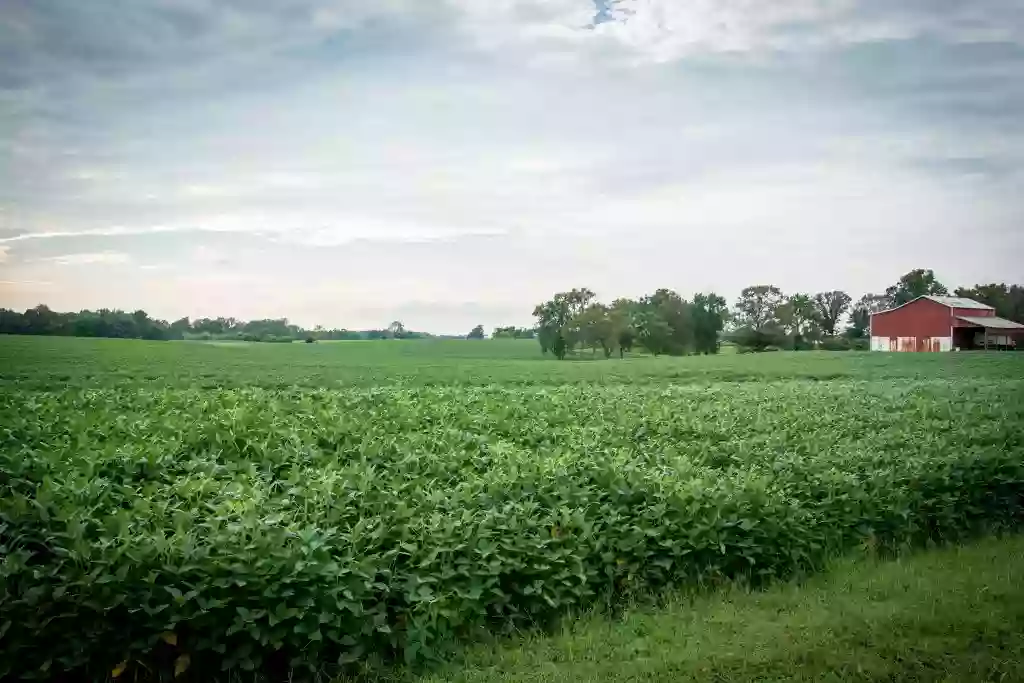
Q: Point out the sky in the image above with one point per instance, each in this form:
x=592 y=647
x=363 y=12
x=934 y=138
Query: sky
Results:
x=453 y=162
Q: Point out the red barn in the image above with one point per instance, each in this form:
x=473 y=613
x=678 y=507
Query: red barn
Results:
x=942 y=323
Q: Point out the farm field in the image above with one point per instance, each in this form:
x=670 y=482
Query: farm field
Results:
x=180 y=505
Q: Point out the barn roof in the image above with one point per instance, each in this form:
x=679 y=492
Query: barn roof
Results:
x=991 y=322
x=950 y=301
x=959 y=302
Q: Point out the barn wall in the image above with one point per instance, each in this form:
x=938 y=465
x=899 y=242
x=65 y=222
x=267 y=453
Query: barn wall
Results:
x=921 y=318
x=912 y=344
x=972 y=313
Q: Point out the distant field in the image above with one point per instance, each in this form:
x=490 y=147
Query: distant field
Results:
x=292 y=504
x=42 y=362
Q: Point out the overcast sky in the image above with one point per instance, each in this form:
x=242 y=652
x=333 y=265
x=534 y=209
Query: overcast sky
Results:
x=449 y=162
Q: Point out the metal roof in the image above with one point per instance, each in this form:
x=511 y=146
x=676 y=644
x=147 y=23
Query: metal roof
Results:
x=958 y=302
x=951 y=301
x=991 y=322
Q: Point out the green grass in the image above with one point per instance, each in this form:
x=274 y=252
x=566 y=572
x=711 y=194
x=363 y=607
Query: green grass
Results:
x=953 y=615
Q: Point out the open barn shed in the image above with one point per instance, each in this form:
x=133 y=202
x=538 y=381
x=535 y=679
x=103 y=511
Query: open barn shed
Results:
x=943 y=323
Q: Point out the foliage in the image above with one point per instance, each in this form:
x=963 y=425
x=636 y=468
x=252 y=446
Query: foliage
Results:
x=243 y=525
x=829 y=308
x=710 y=312
x=1008 y=300
x=747 y=339
x=476 y=333
x=758 y=307
x=916 y=283
x=115 y=324
x=596 y=329
x=513 y=332
x=40 y=320
x=860 y=316
x=559 y=346
x=797 y=319
x=558 y=318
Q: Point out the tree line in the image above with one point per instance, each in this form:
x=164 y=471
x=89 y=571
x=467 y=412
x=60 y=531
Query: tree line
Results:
x=41 y=320
x=664 y=322
x=762 y=318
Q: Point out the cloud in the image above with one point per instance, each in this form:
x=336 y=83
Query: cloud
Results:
x=98 y=258
x=209 y=256
x=636 y=31
x=334 y=159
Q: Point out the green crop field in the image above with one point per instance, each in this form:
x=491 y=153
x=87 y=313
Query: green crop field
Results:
x=267 y=506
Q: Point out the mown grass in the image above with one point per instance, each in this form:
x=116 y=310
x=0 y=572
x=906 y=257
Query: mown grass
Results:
x=954 y=615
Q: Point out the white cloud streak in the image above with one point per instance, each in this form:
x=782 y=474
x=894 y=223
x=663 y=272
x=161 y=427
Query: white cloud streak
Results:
x=87 y=259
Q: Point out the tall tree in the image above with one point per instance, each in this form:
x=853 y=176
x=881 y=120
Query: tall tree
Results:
x=758 y=306
x=709 y=313
x=555 y=318
x=476 y=333
x=676 y=313
x=829 y=308
x=918 y=282
x=796 y=318
x=597 y=328
x=652 y=331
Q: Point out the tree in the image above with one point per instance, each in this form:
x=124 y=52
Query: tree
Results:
x=396 y=330
x=829 y=307
x=758 y=306
x=860 y=317
x=559 y=346
x=652 y=331
x=709 y=313
x=555 y=317
x=621 y=316
x=916 y=283
x=1008 y=300
x=796 y=317
x=626 y=338
x=180 y=327
x=476 y=333
x=597 y=329
x=677 y=335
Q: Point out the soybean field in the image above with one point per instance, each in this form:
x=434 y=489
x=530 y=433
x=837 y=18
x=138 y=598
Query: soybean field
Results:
x=187 y=509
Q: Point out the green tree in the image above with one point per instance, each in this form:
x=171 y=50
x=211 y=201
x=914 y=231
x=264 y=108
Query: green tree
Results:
x=796 y=317
x=758 y=307
x=916 y=283
x=559 y=346
x=476 y=333
x=860 y=316
x=709 y=313
x=676 y=312
x=555 y=317
x=652 y=331
x=1008 y=300
x=829 y=308
x=597 y=328
x=396 y=330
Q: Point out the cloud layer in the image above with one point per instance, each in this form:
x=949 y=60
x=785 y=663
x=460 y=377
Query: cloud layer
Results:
x=350 y=162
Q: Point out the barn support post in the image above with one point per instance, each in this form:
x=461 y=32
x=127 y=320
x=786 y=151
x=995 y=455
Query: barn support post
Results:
x=986 y=339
